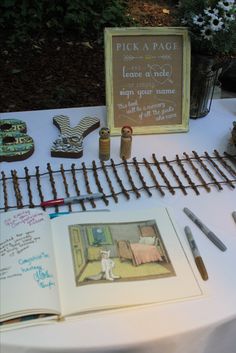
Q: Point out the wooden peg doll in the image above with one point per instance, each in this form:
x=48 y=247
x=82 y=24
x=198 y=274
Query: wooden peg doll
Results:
x=104 y=144
x=126 y=142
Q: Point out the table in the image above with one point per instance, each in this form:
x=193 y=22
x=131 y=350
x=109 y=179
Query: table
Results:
x=206 y=325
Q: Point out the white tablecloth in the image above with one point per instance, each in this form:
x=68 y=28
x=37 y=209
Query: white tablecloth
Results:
x=206 y=325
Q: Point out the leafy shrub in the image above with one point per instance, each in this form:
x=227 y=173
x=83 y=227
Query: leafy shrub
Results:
x=24 y=19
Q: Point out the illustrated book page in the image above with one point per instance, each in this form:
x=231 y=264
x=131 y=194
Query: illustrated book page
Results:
x=28 y=279
x=114 y=259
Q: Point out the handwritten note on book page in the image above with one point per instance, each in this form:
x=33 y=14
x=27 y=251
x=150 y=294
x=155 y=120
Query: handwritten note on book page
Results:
x=28 y=281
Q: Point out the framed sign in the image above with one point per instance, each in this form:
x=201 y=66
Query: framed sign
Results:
x=147 y=79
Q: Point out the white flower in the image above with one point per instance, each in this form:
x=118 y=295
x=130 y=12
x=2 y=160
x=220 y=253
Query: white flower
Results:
x=225 y=5
x=198 y=20
x=207 y=33
x=229 y=17
x=211 y=12
x=184 y=21
x=216 y=23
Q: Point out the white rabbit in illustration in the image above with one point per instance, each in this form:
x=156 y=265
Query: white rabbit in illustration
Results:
x=107 y=266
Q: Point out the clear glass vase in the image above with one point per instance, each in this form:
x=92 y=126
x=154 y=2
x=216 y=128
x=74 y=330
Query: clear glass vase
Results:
x=204 y=75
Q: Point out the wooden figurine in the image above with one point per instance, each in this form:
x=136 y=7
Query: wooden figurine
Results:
x=70 y=142
x=126 y=142
x=104 y=144
x=15 y=144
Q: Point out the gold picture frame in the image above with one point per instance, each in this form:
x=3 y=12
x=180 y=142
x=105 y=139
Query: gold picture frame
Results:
x=147 y=79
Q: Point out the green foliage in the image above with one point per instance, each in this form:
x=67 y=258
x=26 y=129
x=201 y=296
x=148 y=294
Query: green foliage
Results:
x=24 y=19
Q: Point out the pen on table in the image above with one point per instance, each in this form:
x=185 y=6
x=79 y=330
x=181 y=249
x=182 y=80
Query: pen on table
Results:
x=68 y=200
x=210 y=235
x=234 y=216
x=197 y=257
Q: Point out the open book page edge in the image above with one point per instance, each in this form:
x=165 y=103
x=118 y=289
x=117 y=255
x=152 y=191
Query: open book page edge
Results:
x=103 y=311
x=34 y=321
x=27 y=313
x=188 y=254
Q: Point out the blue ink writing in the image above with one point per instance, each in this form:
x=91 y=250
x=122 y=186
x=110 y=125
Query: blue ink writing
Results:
x=43 y=278
x=30 y=268
x=28 y=261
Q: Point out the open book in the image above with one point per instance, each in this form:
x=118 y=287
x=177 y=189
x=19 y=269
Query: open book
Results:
x=89 y=261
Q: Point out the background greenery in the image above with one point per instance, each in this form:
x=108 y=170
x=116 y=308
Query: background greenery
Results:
x=52 y=54
x=25 y=19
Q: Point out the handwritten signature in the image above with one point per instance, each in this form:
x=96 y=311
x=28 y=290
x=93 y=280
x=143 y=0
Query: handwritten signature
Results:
x=44 y=278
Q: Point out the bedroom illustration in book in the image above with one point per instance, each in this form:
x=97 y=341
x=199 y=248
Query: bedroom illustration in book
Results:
x=118 y=252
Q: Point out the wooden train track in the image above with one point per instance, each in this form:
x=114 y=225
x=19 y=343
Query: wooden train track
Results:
x=115 y=180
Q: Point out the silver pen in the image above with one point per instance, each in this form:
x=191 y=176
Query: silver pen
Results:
x=196 y=254
x=210 y=235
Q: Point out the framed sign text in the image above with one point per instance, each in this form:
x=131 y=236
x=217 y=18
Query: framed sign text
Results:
x=147 y=79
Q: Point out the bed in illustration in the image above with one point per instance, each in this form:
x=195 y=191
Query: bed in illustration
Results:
x=138 y=253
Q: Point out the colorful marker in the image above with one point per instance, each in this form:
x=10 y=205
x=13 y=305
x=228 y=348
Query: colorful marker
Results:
x=69 y=200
